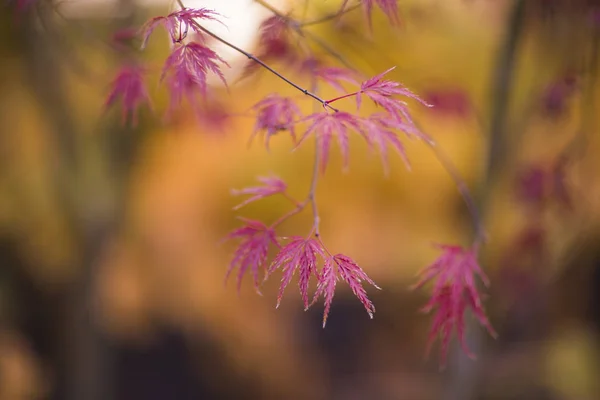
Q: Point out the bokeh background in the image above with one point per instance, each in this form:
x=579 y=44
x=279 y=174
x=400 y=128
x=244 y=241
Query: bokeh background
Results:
x=112 y=263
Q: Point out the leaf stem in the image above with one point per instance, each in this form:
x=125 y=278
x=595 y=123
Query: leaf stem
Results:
x=299 y=208
x=342 y=97
x=311 y=197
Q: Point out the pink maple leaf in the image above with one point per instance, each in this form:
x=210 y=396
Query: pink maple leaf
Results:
x=274 y=43
x=129 y=87
x=186 y=68
x=335 y=76
x=382 y=91
x=271 y=185
x=213 y=116
x=454 y=291
x=178 y=23
x=452 y=102
x=342 y=266
x=379 y=132
x=252 y=251
x=389 y=8
x=299 y=254
x=274 y=114
x=325 y=125
x=273 y=28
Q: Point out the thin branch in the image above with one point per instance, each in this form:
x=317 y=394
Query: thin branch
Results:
x=265 y=66
x=462 y=188
x=330 y=17
x=317 y=21
x=321 y=43
x=311 y=197
x=298 y=28
x=315 y=177
x=269 y=7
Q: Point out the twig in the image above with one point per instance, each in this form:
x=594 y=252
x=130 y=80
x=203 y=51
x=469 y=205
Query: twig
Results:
x=315 y=177
x=298 y=28
x=462 y=188
x=330 y=16
x=262 y=64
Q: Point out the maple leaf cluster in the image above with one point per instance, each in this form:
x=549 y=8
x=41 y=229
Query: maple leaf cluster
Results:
x=185 y=73
x=185 y=70
x=379 y=130
x=306 y=256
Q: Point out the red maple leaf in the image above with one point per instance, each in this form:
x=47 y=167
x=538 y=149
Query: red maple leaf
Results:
x=382 y=91
x=454 y=291
x=335 y=76
x=270 y=185
x=129 y=87
x=252 y=251
x=325 y=125
x=185 y=71
x=178 y=23
x=341 y=266
x=379 y=132
x=274 y=114
x=389 y=8
x=213 y=115
x=299 y=254
x=274 y=43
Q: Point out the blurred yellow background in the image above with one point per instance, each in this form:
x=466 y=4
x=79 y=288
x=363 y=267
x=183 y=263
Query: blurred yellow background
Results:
x=111 y=254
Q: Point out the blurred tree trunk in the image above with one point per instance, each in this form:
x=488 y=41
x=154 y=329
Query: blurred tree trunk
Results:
x=88 y=178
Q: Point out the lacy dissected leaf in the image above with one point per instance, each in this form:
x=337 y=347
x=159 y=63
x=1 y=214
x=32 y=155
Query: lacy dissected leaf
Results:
x=129 y=87
x=335 y=76
x=186 y=69
x=271 y=185
x=454 y=291
x=325 y=126
x=341 y=266
x=178 y=23
x=274 y=44
x=382 y=91
x=379 y=132
x=300 y=254
x=275 y=114
x=252 y=251
x=389 y=8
